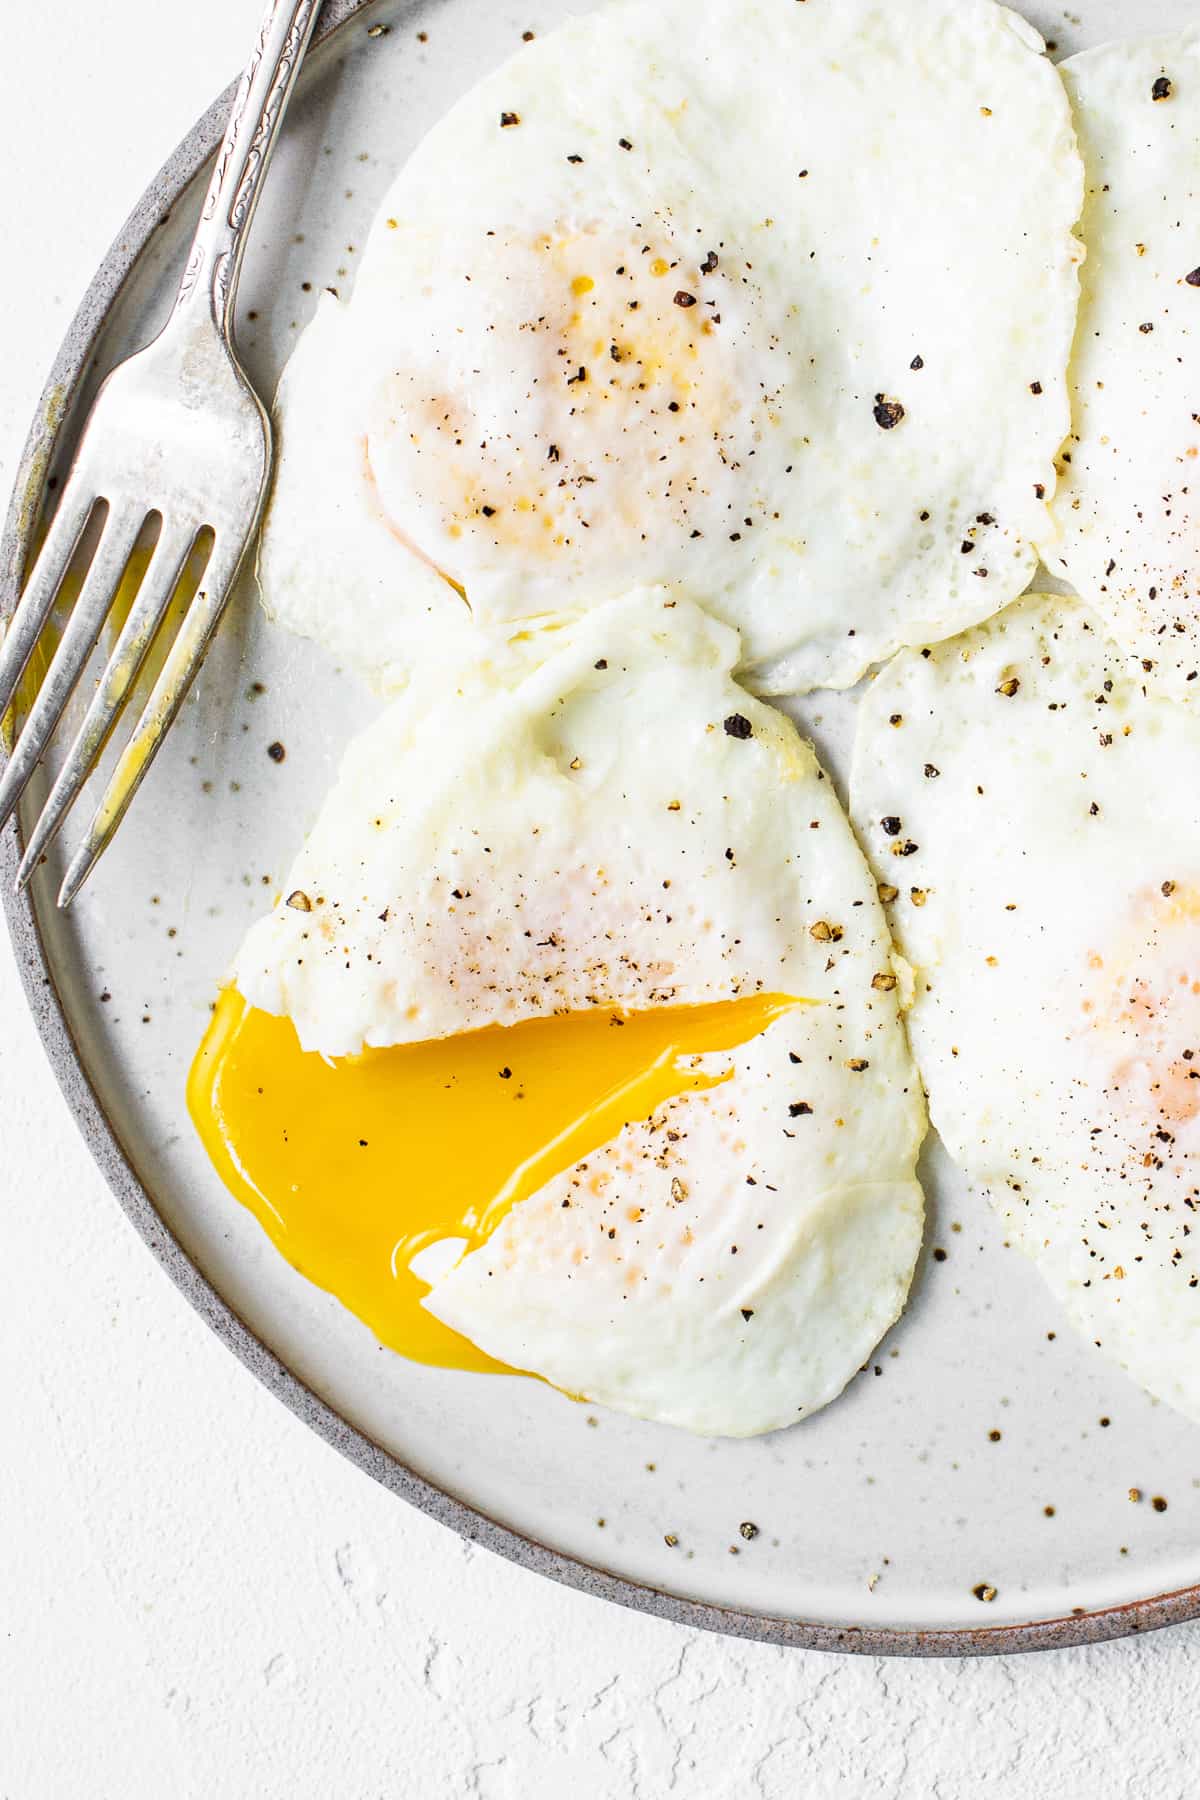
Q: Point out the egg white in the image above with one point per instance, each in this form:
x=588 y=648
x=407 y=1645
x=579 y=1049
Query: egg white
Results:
x=1125 y=511
x=602 y=817
x=1039 y=818
x=769 y=301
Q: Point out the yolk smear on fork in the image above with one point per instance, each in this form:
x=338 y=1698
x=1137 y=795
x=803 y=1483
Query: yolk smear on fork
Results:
x=123 y=600
x=38 y=666
x=353 y=1166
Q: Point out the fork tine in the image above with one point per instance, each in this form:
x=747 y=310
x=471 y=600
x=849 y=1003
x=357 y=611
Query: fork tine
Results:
x=170 y=690
x=45 y=578
x=96 y=596
x=167 y=563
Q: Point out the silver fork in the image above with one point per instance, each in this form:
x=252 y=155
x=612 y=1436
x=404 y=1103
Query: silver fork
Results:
x=176 y=431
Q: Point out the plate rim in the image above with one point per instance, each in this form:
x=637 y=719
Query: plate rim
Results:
x=51 y=1016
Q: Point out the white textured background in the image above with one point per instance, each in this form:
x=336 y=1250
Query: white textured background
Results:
x=196 y=1596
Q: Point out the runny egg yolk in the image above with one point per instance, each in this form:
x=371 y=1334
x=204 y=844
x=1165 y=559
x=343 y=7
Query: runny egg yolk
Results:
x=353 y=1166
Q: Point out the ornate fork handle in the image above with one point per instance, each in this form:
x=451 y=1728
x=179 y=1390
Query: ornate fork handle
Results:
x=175 y=431
x=215 y=259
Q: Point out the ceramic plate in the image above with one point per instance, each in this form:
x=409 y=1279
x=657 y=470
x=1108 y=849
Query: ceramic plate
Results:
x=880 y=1521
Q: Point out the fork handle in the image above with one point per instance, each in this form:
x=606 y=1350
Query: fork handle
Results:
x=215 y=259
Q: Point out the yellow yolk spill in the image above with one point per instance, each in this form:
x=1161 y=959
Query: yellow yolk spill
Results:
x=353 y=1166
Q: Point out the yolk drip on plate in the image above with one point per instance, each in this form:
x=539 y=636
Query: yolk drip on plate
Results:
x=354 y=1166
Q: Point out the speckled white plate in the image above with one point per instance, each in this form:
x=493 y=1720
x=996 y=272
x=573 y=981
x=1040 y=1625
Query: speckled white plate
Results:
x=985 y=1448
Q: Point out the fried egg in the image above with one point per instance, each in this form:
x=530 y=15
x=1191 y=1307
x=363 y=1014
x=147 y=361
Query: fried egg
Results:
x=573 y=1045
x=1126 y=509
x=772 y=302
x=1036 y=823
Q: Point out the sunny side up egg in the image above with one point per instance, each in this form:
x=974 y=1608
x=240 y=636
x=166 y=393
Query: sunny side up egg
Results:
x=772 y=302
x=1127 y=507
x=574 y=1044
x=1037 y=819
